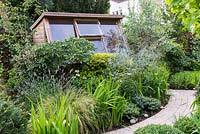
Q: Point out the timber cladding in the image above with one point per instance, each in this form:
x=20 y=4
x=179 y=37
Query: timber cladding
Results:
x=39 y=35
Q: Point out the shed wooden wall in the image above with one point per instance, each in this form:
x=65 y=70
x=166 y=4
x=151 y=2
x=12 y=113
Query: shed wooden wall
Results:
x=39 y=35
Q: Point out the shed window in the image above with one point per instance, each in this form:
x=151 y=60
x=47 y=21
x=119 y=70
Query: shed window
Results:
x=110 y=35
x=88 y=28
x=108 y=27
x=91 y=30
x=60 y=30
x=98 y=44
x=102 y=33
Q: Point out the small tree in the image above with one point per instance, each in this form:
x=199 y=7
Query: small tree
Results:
x=145 y=28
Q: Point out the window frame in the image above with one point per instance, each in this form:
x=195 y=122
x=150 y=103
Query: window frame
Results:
x=103 y=43
x=109 y=22
x=89 y=37
x=61 y=20
x=47 y=30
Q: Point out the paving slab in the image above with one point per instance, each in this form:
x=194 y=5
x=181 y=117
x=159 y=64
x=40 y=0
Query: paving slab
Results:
x=179 y=105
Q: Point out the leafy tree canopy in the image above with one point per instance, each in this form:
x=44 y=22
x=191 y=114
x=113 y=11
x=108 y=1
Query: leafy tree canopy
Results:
x=188 y=11
x=85 y=6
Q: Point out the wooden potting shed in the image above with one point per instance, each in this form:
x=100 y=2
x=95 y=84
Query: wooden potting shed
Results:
x=101 y=29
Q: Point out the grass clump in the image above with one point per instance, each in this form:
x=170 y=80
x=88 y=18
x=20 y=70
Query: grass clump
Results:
x=66 y=114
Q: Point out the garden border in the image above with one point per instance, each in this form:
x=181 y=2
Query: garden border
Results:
x=179 y=105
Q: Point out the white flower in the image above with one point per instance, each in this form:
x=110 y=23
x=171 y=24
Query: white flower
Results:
x=76 y=71
x=128 y=73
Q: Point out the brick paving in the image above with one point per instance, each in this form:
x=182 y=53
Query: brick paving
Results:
x=179 y=105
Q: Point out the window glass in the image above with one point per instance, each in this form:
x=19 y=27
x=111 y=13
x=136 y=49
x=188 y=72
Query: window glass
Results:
x=88 y=28
x=61 y=30
x=110 y=35
x=98 y=44
x=109 y=28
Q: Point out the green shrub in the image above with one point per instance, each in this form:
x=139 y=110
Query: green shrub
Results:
x=132 y=110
x=150 y=82
x=13 y=80
x=54 y=58
x=182 y=57
x=175 y=57
x=190 y=125
x=72 y=113
x=155 y=81
x=147 y=104
x=120 y=65
x=29 y=90
x=189 y=43
x=185 y=80
x=105 y=64
x=131 y=85
x=97 y=65
x=158 y=129
x=194 y=56
x=13 y=119
x=196 y=119
x=186 y=125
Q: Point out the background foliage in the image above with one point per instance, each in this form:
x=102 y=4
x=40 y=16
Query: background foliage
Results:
x=181 y=47
x=188 y=12
x=16 y=36
x=12 y=118
x=76 y=6
x=145 y=28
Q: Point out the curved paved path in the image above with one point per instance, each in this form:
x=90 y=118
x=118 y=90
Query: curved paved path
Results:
x=178 y=105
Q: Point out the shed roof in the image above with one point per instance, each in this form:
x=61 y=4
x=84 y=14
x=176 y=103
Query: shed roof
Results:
x=74 y=15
